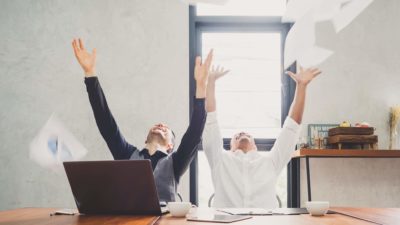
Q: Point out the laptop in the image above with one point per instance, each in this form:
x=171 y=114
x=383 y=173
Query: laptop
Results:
x=114 y=187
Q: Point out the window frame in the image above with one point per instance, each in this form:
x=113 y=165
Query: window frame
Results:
x=242 y=24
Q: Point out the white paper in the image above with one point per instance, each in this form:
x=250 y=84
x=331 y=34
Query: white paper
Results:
x=349 y=12
x=314 y=56
x=321 y=9
x=296 y=9
x=299 y=39
x=55 y=144
x=212 y=2
x=246 y=211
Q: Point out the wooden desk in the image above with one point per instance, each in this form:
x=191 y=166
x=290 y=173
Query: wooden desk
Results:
x=302 y=153
x=39 y=216
x=327 y=153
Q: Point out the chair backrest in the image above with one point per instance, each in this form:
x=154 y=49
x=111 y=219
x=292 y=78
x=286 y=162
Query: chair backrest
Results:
x=210 y=200
x=179 y=196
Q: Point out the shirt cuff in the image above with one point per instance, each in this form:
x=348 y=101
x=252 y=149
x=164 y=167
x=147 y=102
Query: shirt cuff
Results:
x=211 y=117
x=199 y=102
x=90 y=80
x=291 y=124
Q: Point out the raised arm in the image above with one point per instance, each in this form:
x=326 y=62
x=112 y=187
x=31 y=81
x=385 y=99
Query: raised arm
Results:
x=191 y=139
x=106 y=124
x=212 y=139
x=287 y=139
x=215 y=74
x=302 y=80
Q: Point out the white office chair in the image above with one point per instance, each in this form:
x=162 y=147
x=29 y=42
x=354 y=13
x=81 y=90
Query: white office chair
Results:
x=179 y=196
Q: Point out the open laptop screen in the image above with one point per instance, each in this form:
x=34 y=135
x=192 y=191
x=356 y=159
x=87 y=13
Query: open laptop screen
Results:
x=113 y=187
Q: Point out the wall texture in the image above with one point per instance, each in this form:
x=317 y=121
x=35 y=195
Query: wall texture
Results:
x=359 y=83
x=362 y=79
x=142 y=64
x=352 y=182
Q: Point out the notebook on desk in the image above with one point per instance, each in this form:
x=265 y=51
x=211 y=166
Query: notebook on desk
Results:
x=114 y=187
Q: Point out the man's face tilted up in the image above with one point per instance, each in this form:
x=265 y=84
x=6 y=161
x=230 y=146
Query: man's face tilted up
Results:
x=243 y=141
x=162 y=135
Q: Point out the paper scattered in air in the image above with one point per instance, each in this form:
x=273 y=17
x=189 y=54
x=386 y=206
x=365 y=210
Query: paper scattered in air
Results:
x=299 y=39
x=349 y=12
x=341 y=12
x=314 y=56
x=213 y=2
x=296 y=9
x=300 y=42
x=55 y=144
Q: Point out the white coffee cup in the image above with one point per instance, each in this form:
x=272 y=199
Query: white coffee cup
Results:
x=317 y=208
x=179 y=209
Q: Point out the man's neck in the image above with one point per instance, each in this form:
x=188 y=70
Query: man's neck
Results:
x=152 y=147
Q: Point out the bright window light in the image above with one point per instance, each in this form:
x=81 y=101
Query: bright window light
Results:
x=243 y=8
x=249 y=97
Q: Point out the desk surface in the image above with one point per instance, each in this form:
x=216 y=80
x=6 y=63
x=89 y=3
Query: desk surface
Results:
x=40 y=216
x=346 y=153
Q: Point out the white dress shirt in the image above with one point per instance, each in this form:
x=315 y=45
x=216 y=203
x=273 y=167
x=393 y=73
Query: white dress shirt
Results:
x=247 y=180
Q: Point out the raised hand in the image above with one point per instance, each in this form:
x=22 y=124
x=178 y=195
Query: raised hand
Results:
x=201 y=74
x=86 y=60
x=304 y=77
x=216 y=73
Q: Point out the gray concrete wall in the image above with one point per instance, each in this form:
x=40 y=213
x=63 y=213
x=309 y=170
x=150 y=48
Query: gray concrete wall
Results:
x=142 y=64
x=359 y=83
x=362 y=79
x=353 y=182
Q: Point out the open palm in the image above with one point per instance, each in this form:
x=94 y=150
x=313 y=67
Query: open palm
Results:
x=86 y=60
x=201 y=70
x=305 y=76
x=217 y=72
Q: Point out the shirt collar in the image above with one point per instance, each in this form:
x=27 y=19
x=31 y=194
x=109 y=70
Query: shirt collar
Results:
x=251 y=153
x=160 y=151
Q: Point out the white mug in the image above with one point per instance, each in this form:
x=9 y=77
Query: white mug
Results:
x=179 y=209
x=317 y=208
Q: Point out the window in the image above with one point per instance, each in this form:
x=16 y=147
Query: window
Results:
x=249 y=97
x=248 y=39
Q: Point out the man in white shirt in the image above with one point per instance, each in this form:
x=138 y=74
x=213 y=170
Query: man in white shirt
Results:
x=242 y=177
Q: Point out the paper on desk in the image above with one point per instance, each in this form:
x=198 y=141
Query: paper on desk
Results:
x=245 y=211
x=213 y=2
x=349 y=12
x=55 y=144
x=300 y=39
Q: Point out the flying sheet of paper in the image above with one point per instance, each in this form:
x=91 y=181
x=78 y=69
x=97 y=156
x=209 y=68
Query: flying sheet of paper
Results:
x=314 y=56
x=55 y=144
x=321 y=9
x=300 y=39
x=349 y=12
x=213 y=2
x=341 y=12
x=296 y=9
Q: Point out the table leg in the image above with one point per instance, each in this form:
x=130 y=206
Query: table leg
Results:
x=294 y=183
x=308 y=178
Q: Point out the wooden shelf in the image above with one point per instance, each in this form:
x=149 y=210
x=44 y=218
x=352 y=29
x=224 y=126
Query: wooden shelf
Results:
x=346 y=153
